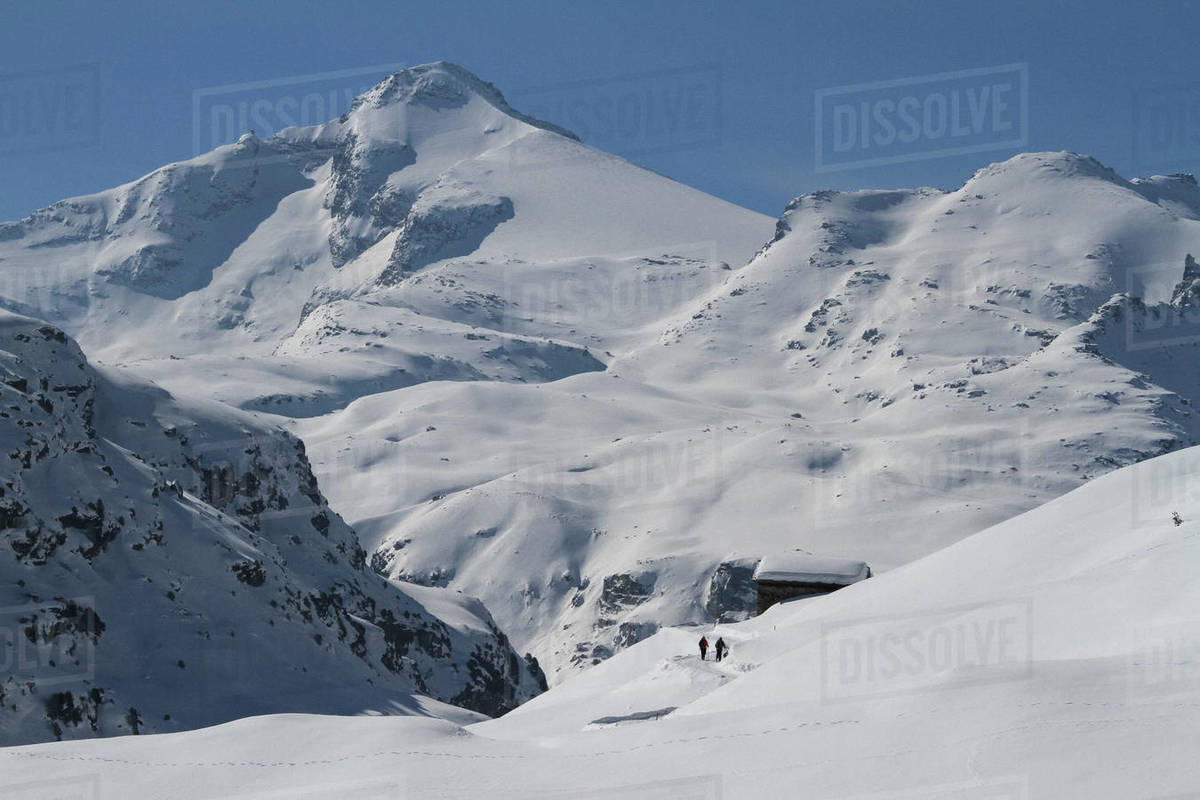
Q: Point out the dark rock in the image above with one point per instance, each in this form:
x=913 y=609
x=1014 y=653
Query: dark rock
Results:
x=1187 y=291
x=630 y=633
x=621 y=592
x=250 y=573
x=730 y=595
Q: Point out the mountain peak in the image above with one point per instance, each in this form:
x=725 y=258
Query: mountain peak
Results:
x=443 y=84
x=1063 y=163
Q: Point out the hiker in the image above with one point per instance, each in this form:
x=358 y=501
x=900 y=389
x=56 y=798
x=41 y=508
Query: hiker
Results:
x=703 y=647
x=721 y=648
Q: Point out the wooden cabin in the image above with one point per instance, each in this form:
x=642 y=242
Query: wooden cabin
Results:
x=789 y=575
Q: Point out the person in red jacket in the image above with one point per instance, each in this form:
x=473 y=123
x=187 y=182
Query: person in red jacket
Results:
x=703 y=647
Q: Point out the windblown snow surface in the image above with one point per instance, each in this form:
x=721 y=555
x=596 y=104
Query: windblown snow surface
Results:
x=539 y=375
x=1052 y=655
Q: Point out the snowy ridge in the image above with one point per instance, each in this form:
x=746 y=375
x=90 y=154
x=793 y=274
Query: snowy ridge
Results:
x=173 y=564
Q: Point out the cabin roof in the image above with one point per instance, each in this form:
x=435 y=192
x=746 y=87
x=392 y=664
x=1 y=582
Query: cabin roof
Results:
x=804 y=568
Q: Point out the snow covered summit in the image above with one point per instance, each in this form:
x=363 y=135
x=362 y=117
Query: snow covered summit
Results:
x=429 y=208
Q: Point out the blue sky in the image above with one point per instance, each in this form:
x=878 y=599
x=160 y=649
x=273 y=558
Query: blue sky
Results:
x=729 y=97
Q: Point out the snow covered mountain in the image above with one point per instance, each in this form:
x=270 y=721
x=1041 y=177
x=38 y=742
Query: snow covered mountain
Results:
x=894 y=371
x=592 y=397
x=168 y=563
x=1049 y=656
x=387 y=236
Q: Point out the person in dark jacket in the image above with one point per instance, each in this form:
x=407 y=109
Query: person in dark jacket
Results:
x=721 y=648
x=703 y=647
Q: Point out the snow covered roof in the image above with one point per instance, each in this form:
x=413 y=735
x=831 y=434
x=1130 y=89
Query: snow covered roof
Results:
x=804 y=568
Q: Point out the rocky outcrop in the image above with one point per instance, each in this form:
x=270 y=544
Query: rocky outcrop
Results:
x=361 y=204
x=1187 y=291
x=730 y=595
x=450 y=222
x=166 y=565
x=621 y=592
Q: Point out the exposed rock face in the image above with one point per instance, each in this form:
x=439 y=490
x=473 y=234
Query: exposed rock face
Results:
x=443 y=224
x=1187 y=291
x=616 y=625
x=145 y=538
x=364 y=208
x=630 y=633
x=621 y=592
x=730 y=595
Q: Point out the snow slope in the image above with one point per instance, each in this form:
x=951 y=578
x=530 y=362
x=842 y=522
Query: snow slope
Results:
x=1048 y=656
x=167 y=564
x=894 y=371
x=593 y=397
